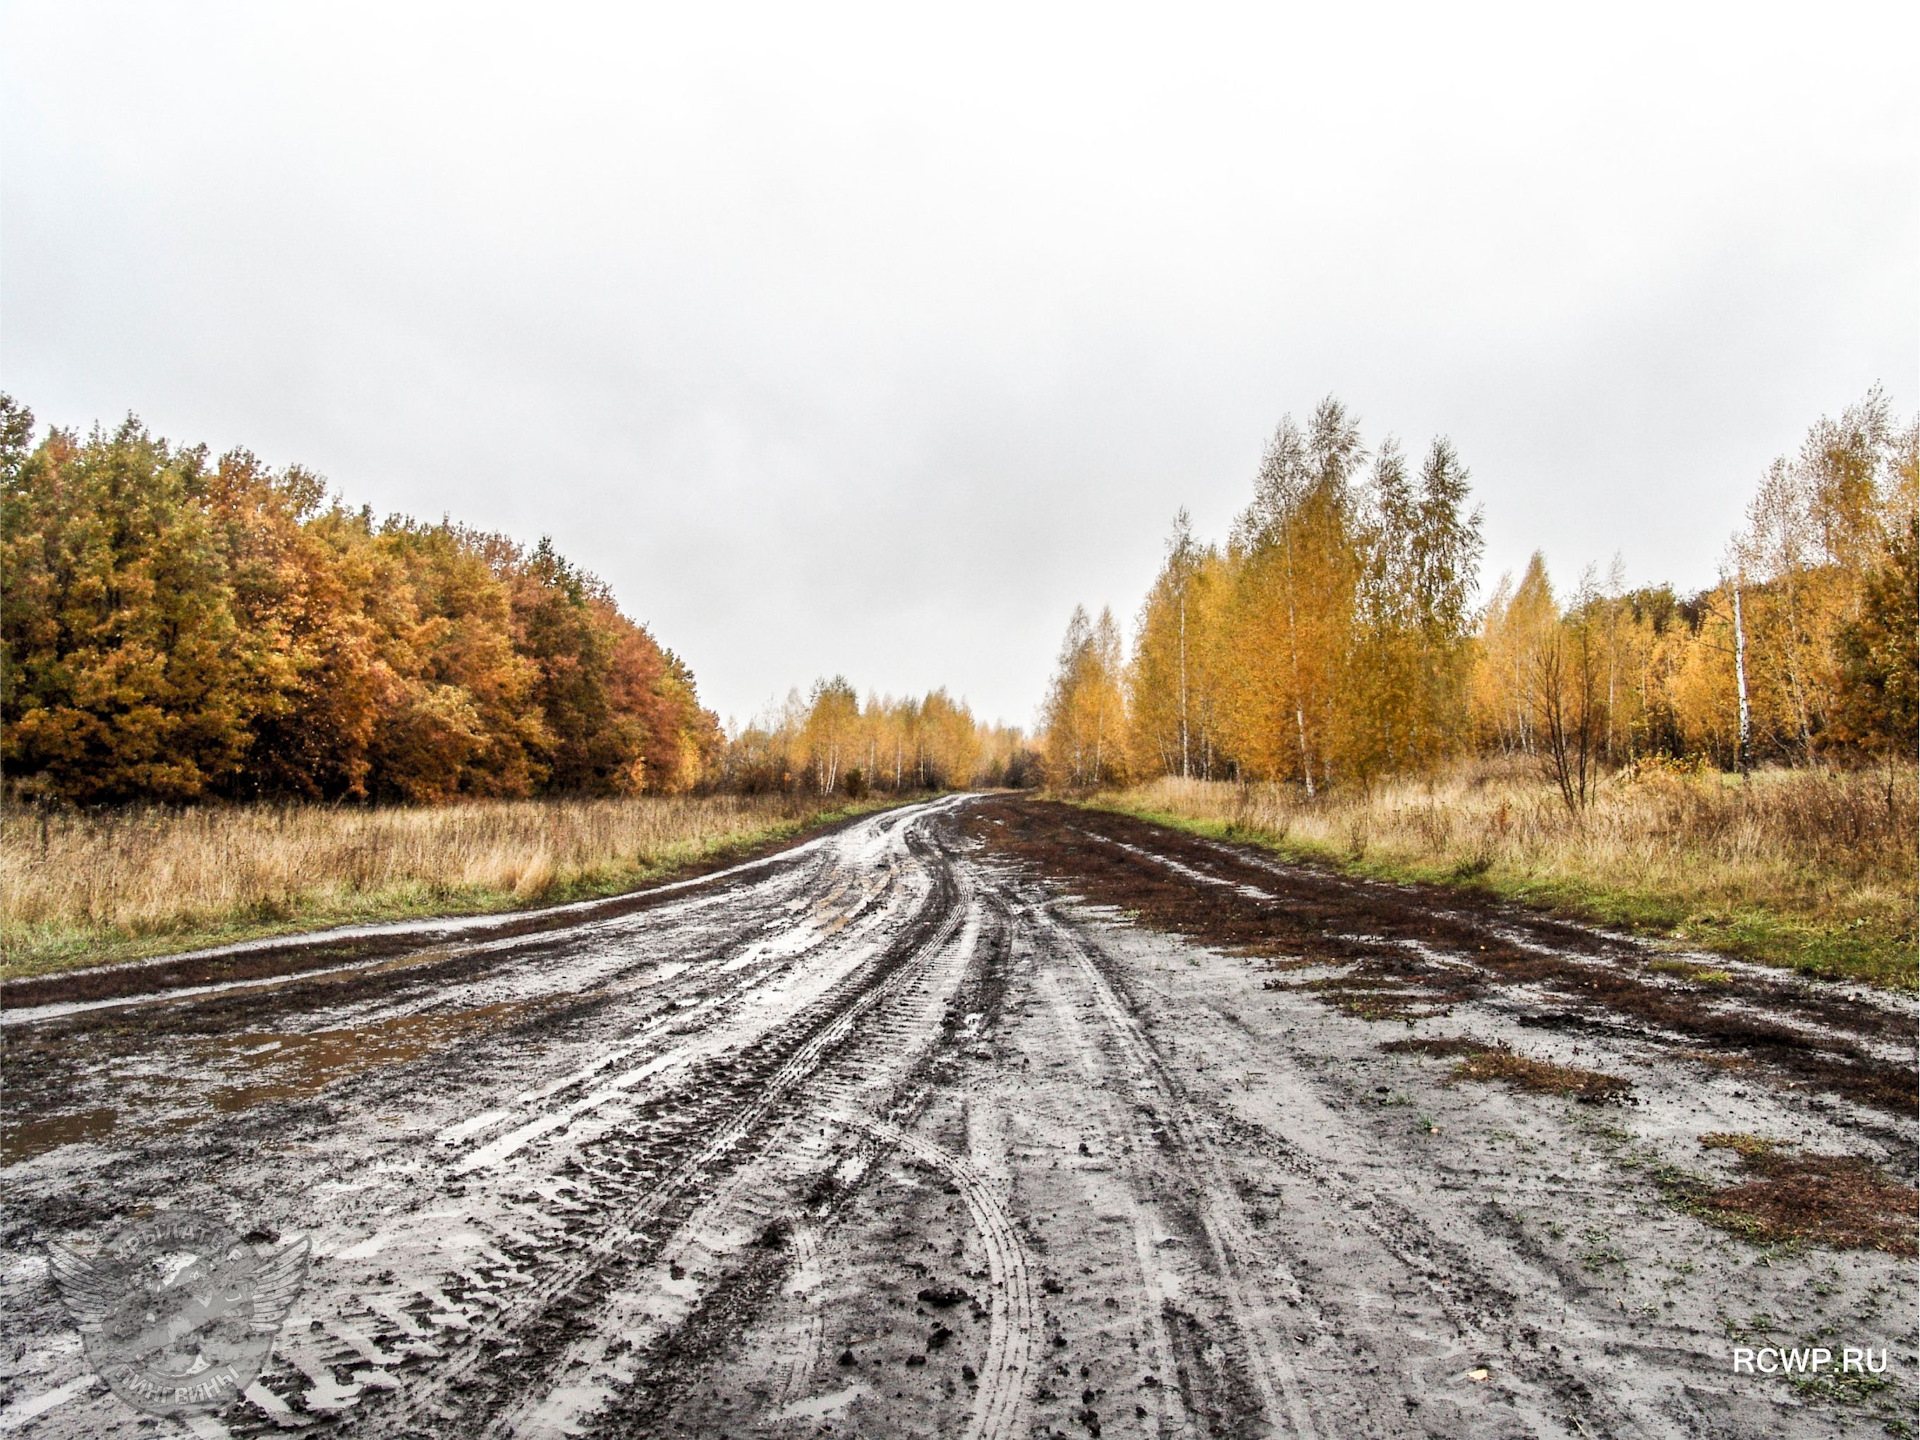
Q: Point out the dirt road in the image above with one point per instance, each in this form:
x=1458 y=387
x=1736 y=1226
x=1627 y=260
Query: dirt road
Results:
x=987 y=1118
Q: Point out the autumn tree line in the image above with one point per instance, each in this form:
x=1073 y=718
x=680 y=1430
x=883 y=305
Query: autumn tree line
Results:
x=1338 y=636
x=177 y=628
x=831 y=741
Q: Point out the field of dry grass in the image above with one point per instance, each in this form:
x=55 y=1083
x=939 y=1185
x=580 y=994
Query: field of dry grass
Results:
x=1807 y=868
x=86 y=888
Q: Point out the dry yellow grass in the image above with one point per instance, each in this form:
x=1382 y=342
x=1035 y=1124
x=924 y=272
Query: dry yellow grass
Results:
x=79 y=889
x=1810 y=868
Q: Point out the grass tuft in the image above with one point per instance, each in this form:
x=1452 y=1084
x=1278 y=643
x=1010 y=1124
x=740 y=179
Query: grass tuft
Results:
x=1785 y=1197
x=1745 y=1146
x=1483 y=1062
x=1688 y=970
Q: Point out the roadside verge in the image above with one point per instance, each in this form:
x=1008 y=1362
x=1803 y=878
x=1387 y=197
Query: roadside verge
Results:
x=70 y=964
x=1810 y=925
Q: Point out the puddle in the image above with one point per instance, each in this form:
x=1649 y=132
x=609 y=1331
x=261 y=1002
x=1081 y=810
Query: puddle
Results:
x=821 y=1406
x=254 y=1067
x=261 y=1066
x=22 y=1140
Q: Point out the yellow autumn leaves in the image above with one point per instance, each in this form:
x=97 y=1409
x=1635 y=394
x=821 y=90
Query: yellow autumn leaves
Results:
x=1334 y=638
x=830 y=742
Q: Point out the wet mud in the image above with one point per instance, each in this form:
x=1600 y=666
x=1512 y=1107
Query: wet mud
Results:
x=1403 y=952
x=989 y=1118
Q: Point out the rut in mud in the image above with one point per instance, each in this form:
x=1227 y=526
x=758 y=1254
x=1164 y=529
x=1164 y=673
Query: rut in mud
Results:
x=986 y=1118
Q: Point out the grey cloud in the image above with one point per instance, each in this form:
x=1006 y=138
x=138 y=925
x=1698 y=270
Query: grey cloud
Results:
x=866 y=341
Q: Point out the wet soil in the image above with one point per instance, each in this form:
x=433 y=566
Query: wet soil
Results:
x=1410 y=951
x=988 y=1118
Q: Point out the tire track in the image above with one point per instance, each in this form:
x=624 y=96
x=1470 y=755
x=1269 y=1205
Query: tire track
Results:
x=796 y=1354
x=1171 y=1413
x=819 y=1035
x=1402 y=1237
x=1212 y=1194
x=1013 y=1318
x=755 y=1203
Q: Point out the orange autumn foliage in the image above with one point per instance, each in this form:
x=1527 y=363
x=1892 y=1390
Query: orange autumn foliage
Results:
x=177 y=628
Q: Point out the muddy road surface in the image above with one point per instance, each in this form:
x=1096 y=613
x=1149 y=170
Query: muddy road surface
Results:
x=988 y=1118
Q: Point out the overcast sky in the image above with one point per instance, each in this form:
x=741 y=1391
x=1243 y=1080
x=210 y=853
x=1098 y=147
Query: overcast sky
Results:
x=871 y=340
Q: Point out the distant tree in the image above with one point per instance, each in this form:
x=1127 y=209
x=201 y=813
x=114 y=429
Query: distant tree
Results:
x=1518 y=622
x=950 y=742
x=1876 y=645
x=1289 y=626
x=1161 y=680
x=1083 y=734
x=1174 y=680
x=833 y=719
x=1565 y=688
x=1412 y=647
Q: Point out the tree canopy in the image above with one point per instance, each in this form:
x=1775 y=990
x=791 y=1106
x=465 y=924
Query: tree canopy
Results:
x=1335 y=637
x=175 y=627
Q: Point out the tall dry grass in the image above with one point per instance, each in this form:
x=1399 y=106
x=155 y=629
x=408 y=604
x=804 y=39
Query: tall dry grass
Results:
x=1810 y=867
x=80 y=887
